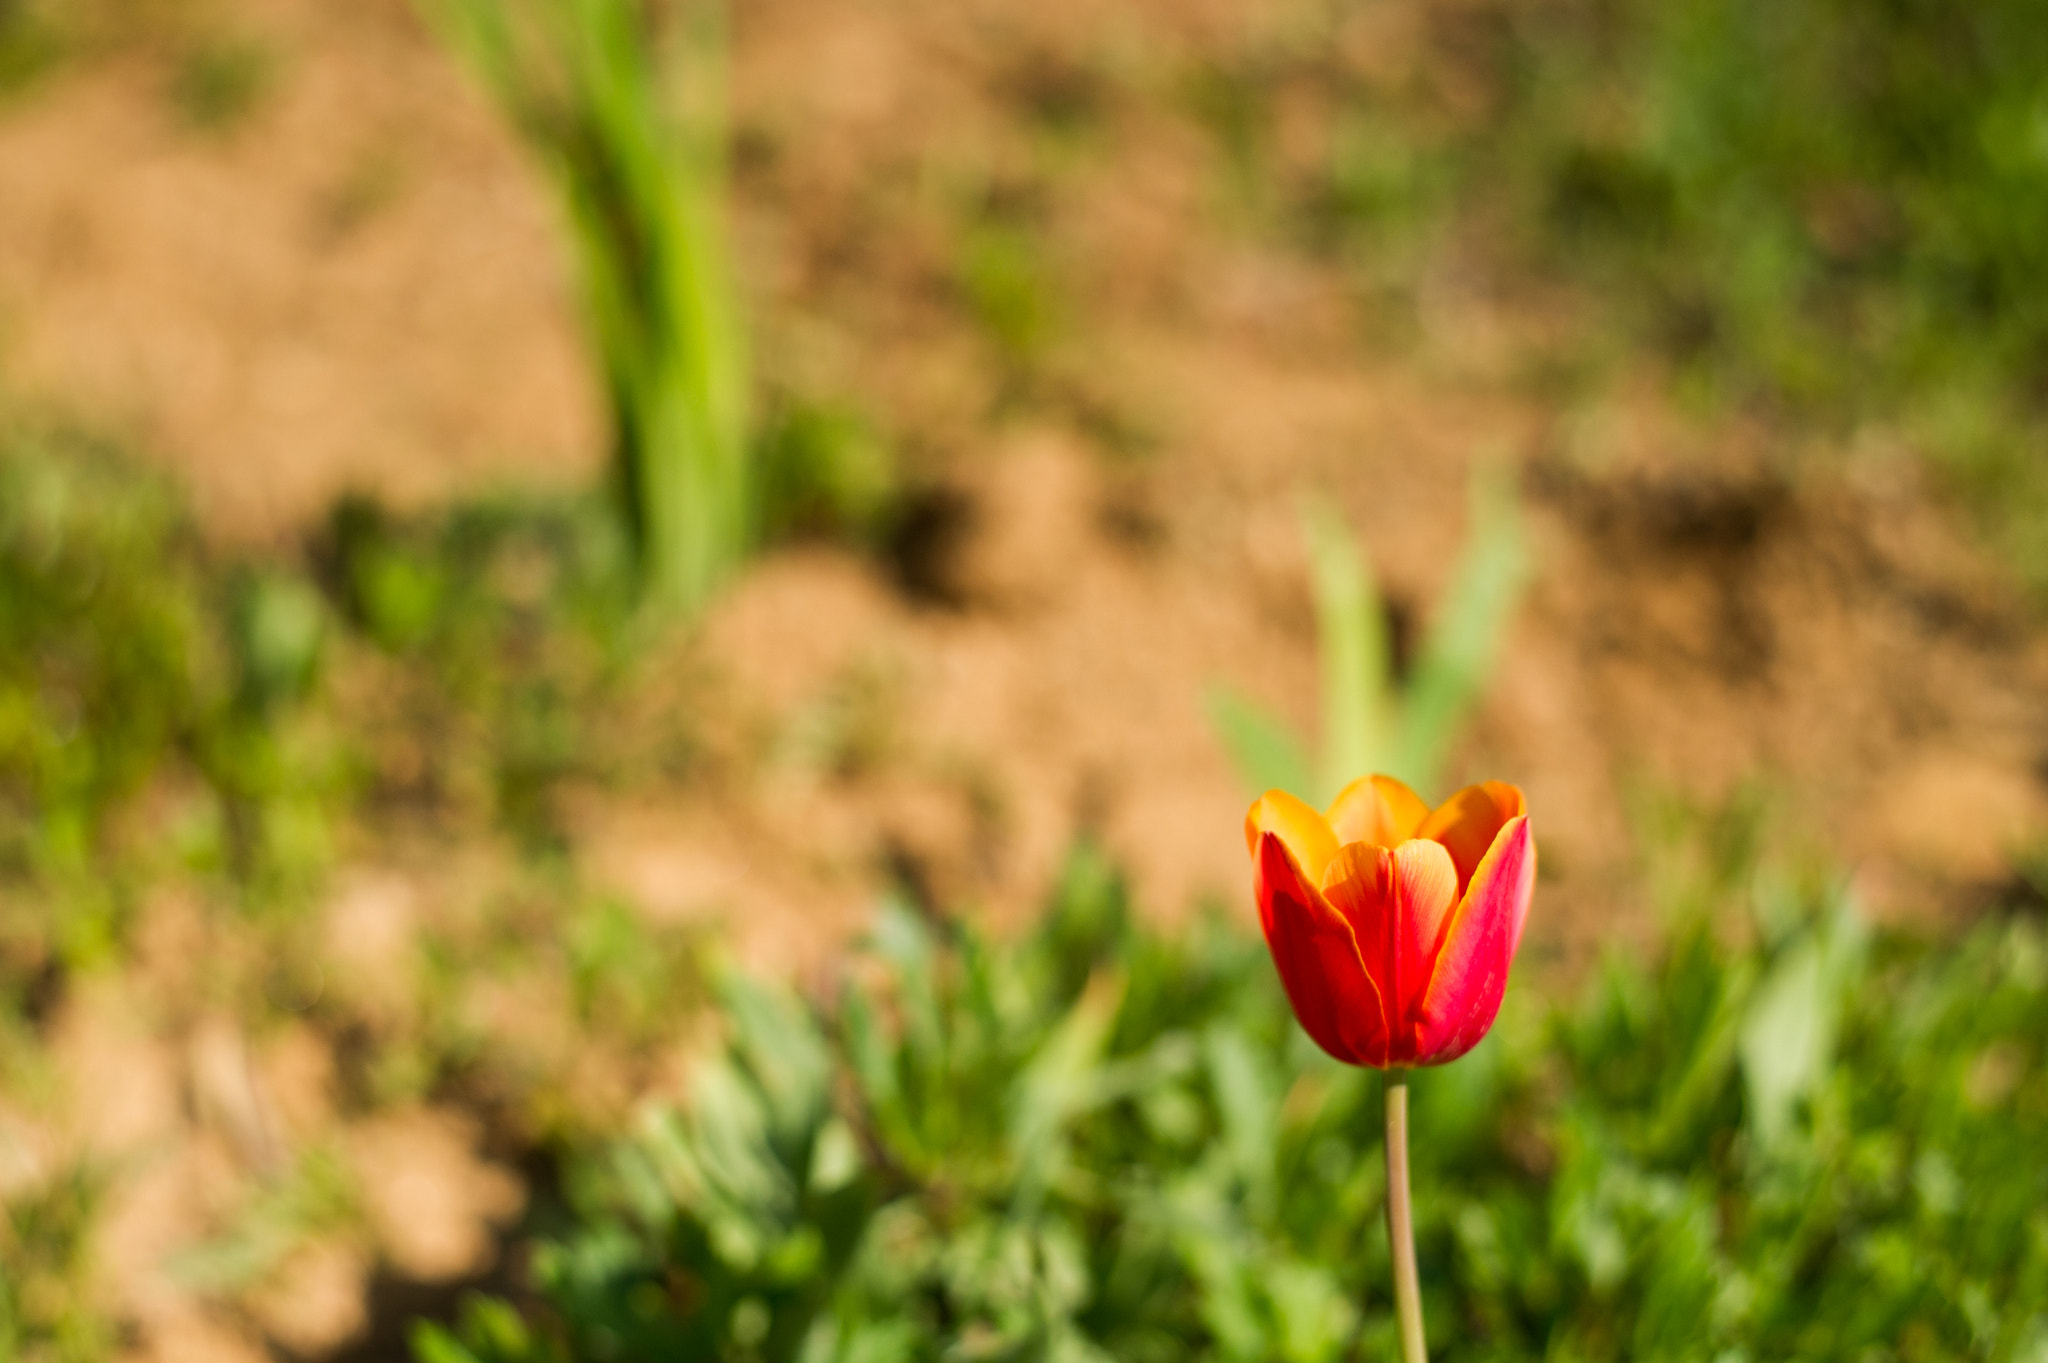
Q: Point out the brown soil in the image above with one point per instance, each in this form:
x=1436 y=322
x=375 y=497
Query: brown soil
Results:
x=361 y=285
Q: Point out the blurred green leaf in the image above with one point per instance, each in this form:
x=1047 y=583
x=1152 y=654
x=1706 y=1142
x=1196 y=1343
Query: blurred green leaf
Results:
x=624 y=104
x=1369 y=722
x=1788 y=1032
x=1351 y=635
x=282 y=622
x=1459 y=650
x=1266 y=755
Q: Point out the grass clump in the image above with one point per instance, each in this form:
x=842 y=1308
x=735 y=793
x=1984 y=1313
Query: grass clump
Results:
x=46 y=1313
x=1828 y=214
x=494 y=631
x=1786 y=1136
x=221 y=79
x=1373 y=718
x=169 y=713
x=31 y=44
x=1834 y=212
x=200 y=738
x=623 y=103
x=116 y=666
x=105 y=658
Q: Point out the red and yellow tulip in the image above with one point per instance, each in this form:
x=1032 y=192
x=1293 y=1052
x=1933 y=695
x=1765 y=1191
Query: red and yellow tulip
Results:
x=1393 y=924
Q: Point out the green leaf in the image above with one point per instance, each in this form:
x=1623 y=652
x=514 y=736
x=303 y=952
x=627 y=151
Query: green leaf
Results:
x=1458 y=653
x=786 y=1054
x=1247 y=1101
x=626 y=112
x=1789 y=1031
x=1266 y=755
x=1060 y=1083
x=1351 y=632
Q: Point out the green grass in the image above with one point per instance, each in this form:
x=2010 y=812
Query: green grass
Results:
x=1835 y=213
x=505 y=625
x=1372 y=719
x=220 y=79
x=224 y=730
x=624 y=105
x=32 y=43
x=443 y=668
x=1787 y=1135
x=113 y=667
x=1831 y=215
x=46 y=1312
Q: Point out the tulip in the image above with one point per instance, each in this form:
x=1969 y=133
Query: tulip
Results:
x=1393 y=926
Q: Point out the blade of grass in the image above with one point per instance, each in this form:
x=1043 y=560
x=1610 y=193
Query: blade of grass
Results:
x=1351 y=630
x=1463 y=641
x=603 y=90
x=1266 y=755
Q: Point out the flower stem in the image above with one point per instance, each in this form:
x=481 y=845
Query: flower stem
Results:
x=1401 y=1222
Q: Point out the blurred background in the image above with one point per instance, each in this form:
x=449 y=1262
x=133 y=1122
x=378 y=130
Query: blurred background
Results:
x=522 y=522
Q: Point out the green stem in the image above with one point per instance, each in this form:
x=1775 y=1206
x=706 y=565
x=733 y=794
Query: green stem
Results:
x=1401 y=1223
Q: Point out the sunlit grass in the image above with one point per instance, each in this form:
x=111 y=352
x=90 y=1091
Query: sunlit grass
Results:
x=47 y=1304
x=1829 y=216
x=1374 y=720
x=625 y=106
x=1784 y=1135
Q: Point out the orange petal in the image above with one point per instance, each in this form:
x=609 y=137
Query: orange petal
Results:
x=1378 y=810
x=1294 y=823
x=1468 y=822
x=1317 y=957
x=1471 y=972
x=1397 y=903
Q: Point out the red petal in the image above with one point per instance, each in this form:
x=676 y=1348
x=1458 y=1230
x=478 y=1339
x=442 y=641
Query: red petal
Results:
x=1397 y=903
x=1471 y=973
x=1318 y=959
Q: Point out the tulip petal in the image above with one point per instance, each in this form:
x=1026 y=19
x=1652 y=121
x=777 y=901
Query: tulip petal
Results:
x=1471 y=972
x=1317 y=956
x=1378 y=810
x=1396 y=902
x=1469 y=821
x=1295 y=824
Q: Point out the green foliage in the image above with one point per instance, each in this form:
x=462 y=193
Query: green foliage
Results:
x=504 y=620
x=45 y=1313
x=1783 y=1137
x=1842 y=194
x=1267 y=754
x=1003 y=276
x=824 y=469
x=1371 y=721
x=1829 y=213
x=166 y=712
x=119 y=665
x=106 y=660
x=220 y=79
x=31 y=43
x=1464 y=637
x=624 y=104
x=314 y=1194
x=1357 y=655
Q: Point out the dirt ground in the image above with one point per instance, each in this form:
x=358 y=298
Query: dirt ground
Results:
x=361 y=286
